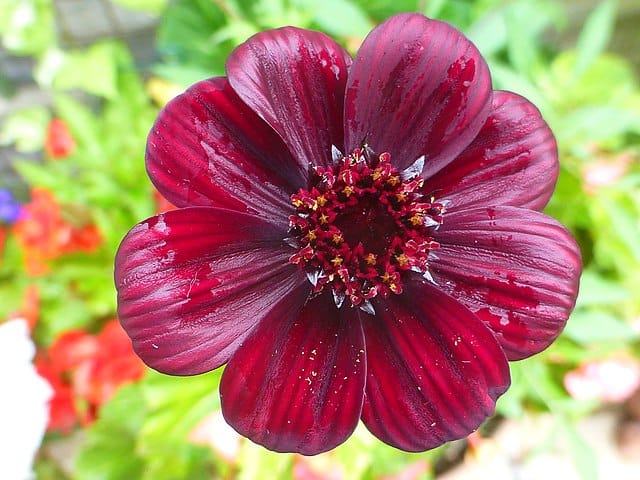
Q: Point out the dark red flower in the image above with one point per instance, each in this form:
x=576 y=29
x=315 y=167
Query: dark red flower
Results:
x=355 y=238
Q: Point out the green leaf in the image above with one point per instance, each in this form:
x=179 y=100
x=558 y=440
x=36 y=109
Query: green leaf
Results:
x=177 y=404
x=595 y=35
x=342 y=18
x=27 y=26
x=566 y=351
x=151 y=6
x=92 y=70
x=184 y=36
x=598 y=325
x=382 y=9
x=25 y=129
x=506 y=78
x=178 y=460
x=118 y=447
x=593 y=87
x=359 y=453
x=597 y=124
x=569 y=204
x=110 y=449
x=616 y=229
x=60 y=311
x=522 y=47
x=263 y=14
x=434 y=8
x=36 y=175
x=541 y=385
x=511 y=403
x=584 y=458
x=83 y=125
x=489 y=33
x=255 y=460
x=366 y=457
x=185 y=74
x=91 y=277
x=595 y=290
x=12 y=282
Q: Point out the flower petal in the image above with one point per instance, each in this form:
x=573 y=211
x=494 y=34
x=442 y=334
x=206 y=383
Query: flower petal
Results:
x=208 y=148
x=416 y=87
x=434 y=370
x=516 y=269
x=512 y=161
x=295 y=80
x=193 y=282
x=297 y=382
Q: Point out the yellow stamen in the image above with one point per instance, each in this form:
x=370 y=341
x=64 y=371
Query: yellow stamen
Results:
x=402 y=259
x=393 y=181
x=401 y=196
x=417 y=219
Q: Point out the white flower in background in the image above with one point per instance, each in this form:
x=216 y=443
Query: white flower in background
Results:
x=214 y=432
x=608 y=380
x=24 y=409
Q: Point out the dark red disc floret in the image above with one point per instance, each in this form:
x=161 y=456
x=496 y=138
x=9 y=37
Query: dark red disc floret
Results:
x=362 y=225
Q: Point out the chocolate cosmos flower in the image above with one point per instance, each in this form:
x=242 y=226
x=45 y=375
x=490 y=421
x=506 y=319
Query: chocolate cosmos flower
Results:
x=356 y=238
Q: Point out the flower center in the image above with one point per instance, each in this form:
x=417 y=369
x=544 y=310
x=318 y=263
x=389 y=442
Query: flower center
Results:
x=362 y=225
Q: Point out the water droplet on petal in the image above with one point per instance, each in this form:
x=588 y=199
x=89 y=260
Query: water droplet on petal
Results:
x=292 y=242
x=336 y=154
x=413 y=170
x=338 y=298
x=428 y=276
x=367 y=307
x=313 y=277
x=430 y=222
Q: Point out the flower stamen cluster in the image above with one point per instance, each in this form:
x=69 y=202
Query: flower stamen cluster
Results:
x=362 y=225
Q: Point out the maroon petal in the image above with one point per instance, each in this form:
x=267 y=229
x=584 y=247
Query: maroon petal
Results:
x=295 y=80
x=297 y=382
x=193 y=282
x=416 y=87
x=516 y=269
x=512 y=161
x=434 y=370
x=208 y=148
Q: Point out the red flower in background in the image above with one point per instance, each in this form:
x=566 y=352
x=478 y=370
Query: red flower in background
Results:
x=44 y=234
x=63 y=413
x=358 y=238
x=3 y=236
x=85 y=371
x=58 y=142
x=162 y=204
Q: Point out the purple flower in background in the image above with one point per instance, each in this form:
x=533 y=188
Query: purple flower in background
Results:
x=9 y=207
x=356 y=238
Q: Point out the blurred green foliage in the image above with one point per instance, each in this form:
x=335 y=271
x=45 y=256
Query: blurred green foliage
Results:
x=590 y=97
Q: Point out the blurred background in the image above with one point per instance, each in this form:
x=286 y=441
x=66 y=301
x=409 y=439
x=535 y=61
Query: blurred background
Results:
x=80 y=84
